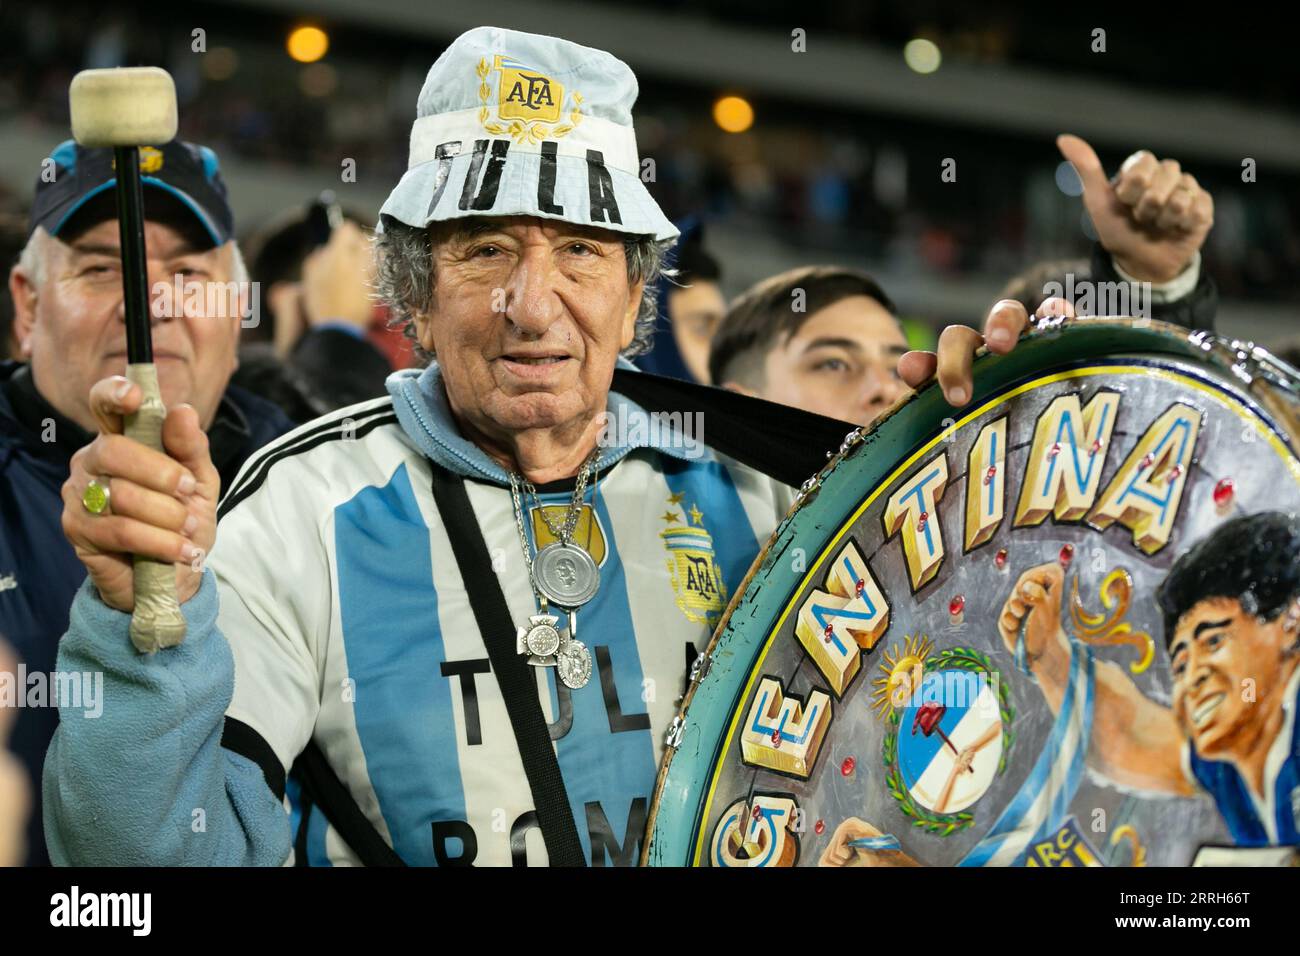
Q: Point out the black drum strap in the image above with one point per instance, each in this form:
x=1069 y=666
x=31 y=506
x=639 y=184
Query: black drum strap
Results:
x=515 y=676
x=518 y=687
x=322 y=787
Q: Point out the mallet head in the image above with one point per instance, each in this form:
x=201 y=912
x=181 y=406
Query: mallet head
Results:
x=124 y=106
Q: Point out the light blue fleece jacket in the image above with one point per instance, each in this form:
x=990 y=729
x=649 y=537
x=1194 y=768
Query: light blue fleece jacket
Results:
x=148 y=782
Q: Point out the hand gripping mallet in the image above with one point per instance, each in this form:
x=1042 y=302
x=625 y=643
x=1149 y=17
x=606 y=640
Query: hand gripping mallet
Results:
x=127 y=108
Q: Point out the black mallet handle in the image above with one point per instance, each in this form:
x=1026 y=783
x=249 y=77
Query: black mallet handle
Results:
x=135 y=271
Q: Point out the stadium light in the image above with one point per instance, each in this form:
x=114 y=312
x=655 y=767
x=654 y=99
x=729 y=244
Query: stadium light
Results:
x=733 y=114
x=922 y=55
x=307 y=44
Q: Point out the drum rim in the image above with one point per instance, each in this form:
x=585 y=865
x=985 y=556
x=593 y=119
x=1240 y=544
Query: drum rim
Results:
x=1057 y=347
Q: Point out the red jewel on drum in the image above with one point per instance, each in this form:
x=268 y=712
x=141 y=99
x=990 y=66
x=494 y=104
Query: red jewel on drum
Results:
x=1000 y=559
x=847 y=766
x=955 y=608
x=1066 y=555
x=1223 y=493
x=820 y=827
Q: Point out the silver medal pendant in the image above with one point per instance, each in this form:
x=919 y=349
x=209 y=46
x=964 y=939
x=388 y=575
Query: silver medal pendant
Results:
x=573 y=661
x=539 y=639
x=566 y=574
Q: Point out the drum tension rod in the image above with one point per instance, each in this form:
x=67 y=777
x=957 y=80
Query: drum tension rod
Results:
x=700 y=667
x=675 y=731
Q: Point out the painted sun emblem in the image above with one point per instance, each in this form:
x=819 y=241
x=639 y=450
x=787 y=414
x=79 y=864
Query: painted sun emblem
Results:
x=902 y=667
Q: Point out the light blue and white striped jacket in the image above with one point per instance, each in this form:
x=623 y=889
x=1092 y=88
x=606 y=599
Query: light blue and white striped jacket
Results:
x=332 y=609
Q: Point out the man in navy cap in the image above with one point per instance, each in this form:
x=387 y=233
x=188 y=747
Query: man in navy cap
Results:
x=69 y=326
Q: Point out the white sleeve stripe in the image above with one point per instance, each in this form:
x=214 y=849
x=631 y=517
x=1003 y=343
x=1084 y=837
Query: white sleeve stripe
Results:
x=316 y=426
x=255 y=481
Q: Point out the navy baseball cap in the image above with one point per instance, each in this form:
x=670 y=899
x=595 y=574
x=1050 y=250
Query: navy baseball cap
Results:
x=181 y=184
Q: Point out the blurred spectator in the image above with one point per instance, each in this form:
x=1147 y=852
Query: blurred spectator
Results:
x=1151 y=221
x=304 y=286
x=13 y=236
x=821 y=338
x=15 y=790
x=329 y=345
x=690 y=307
x=1027 y=286
x=1193 y=307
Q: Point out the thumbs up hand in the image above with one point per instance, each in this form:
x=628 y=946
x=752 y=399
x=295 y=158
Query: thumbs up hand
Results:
x=1152 y=217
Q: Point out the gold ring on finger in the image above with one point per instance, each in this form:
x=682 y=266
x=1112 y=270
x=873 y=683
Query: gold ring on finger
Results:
x=95 y=498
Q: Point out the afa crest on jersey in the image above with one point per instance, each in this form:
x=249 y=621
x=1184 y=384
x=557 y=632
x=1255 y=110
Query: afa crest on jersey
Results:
x=695 y=575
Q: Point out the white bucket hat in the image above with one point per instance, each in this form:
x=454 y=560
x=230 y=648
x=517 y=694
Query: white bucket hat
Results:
x=518 y=124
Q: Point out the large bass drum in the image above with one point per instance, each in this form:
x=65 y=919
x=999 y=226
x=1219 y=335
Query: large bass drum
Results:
x=1060 y=626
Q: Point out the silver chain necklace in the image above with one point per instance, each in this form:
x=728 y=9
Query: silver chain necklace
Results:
x=563 y=574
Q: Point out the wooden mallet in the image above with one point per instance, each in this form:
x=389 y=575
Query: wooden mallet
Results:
x=127 y=108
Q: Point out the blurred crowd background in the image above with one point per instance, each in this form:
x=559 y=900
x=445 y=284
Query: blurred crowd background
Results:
x=832 y=154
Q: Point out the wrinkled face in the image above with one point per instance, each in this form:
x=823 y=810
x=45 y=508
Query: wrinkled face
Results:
x=527 y=321
x=72 y=325
x=843 y=362
x=695 y=311
x=1216 y=649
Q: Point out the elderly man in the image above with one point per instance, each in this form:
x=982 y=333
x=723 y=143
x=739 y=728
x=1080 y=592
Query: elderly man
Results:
x=67 y=296
x=471 y=604
x=690 y=307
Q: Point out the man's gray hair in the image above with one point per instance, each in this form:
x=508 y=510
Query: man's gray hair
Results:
x=32 y=259
x=238 y=268
x=405 y=279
